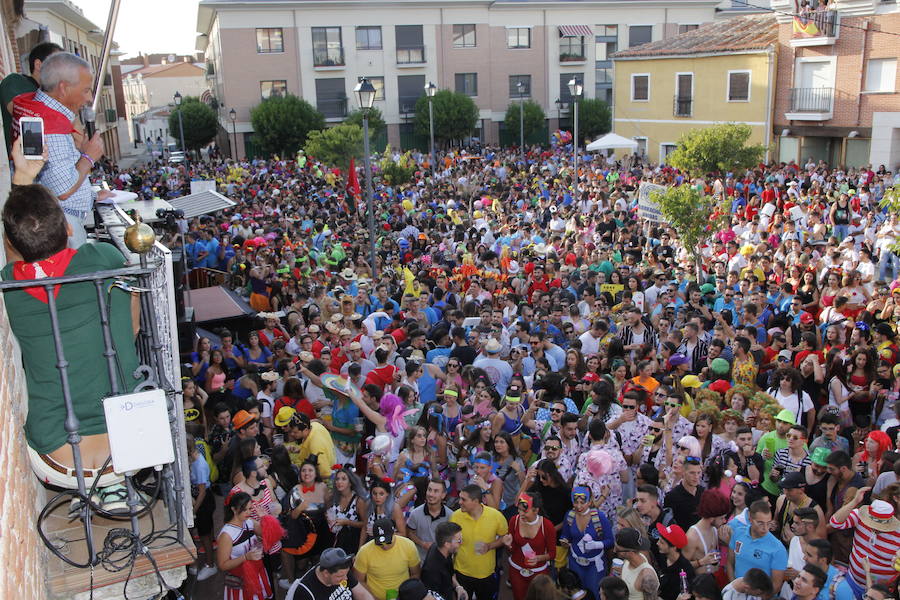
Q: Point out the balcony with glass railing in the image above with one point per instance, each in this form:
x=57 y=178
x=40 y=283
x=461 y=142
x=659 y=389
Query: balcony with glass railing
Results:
x=141 y=552
x=328 y=57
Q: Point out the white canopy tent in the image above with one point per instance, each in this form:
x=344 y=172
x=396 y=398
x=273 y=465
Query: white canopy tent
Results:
x=610 y=141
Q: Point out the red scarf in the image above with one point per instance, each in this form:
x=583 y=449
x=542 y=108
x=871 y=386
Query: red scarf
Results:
x=54 y=266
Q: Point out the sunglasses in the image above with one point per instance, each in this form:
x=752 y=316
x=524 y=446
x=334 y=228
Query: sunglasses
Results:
x=557 y=410
x=673 y=404
x=553 y=447
x=795 y=437
x=692 y=460
x=629 y=406
x=655 y=429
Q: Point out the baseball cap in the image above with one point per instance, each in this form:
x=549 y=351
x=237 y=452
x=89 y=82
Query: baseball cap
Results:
x=632 y=539
x=383 y=531
x=707 y=288
x=792 y=480
x=673 y=534
x=806 y=318
x=332 y=558
x=785 y=355
x=242 y=419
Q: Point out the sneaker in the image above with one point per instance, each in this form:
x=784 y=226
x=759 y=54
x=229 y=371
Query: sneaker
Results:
x=206 y=572
x=192 y=570
x=284 y=584
x=114 y=499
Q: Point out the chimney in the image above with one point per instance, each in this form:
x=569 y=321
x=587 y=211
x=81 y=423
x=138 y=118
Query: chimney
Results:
x=146 y=60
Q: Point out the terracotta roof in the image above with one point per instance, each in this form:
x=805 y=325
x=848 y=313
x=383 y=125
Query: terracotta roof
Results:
x=158 y=69
x=739 y=34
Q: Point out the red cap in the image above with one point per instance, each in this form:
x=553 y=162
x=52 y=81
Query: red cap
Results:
x=673 y=534
x=806 y=318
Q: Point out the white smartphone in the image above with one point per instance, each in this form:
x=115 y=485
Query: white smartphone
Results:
x=32 y=131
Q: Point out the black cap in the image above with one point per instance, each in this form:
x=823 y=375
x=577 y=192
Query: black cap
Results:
x=412 y=589
x=383 y=531
x=335 y=558
x=792 y=480
x=632 y=539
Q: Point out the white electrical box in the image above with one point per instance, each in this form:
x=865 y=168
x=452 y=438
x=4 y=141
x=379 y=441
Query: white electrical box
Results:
x=139 y=433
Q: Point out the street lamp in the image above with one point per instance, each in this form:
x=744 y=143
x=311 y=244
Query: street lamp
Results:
x=430 y=91
x=576 y=89
x=233 y=114
x=520 y=86
x=365 y=99
x=180 y=123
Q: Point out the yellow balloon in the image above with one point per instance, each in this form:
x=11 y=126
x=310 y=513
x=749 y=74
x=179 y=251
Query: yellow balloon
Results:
x=407 y=205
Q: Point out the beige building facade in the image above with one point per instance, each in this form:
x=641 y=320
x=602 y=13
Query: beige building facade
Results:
x=319 y=50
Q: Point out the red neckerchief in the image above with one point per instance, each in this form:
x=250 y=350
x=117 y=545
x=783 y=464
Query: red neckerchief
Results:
x=305 y=489
x=54 y=266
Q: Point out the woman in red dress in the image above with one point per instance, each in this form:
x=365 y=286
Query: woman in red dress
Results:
x=531 y=542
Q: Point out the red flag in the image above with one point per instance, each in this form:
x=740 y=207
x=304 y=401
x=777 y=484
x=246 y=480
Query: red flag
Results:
x=353 y=180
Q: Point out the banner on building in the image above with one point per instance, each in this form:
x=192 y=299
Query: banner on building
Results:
x=647 y=208
x=205 y=185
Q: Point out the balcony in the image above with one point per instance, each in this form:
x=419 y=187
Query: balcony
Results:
x=328 y=57
x=682 y=107
x=410 y=55
x=88 y=559
x=572 y=57
x=817 y=28
x=332 y=108
x=811 y=104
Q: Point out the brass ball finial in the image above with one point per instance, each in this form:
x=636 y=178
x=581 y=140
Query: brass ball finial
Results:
x=139 y=237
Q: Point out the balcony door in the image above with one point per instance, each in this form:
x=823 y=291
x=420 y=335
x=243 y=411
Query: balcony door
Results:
x=815 y=80
x=684 y=94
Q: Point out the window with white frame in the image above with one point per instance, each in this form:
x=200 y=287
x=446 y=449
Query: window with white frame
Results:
x=881 y=74
x=518 y=37
x=378 y=84
x=464 y=36
x=738 y=86
x=640 y=87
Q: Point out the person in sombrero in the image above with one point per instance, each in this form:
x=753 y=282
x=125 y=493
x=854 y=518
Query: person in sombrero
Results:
x=876 y=538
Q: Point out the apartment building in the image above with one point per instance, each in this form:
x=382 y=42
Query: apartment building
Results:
x=64 y=23
x=837 y=82
x=482 y=48
x=722 y=72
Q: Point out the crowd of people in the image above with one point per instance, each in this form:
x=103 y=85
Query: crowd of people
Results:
x=533 y=389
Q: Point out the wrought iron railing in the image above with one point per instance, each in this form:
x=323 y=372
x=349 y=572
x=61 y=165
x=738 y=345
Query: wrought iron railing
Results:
x=682 y=107
x=157 y=349
x=332 y=108
x=815 y=100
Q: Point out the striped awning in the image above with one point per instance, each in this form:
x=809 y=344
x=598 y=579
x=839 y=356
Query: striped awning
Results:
x=575 y=31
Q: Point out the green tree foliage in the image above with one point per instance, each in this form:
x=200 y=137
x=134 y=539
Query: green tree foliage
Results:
x=455 y=116
x=534 y=118
x=396 y=173
x=199 y=120
x=891 y=202
x=282 y=123
x=335 y=145
x=692 y=214
x=594 y=118
x=376 y=121
x=719 y=148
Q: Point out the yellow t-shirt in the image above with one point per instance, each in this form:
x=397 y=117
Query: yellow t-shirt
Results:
x=487 y=528
x=386 y=569
x=318 y=442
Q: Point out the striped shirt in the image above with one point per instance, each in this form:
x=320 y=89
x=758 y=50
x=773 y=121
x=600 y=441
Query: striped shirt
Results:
x=878 y=546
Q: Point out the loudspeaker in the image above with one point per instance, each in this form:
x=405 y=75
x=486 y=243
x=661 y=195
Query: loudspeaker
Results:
x=187 y=332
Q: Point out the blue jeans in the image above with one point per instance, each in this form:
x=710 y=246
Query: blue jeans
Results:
x=841 y=231
x=891 y=261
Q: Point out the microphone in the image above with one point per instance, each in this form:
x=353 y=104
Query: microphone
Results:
x=89 y=117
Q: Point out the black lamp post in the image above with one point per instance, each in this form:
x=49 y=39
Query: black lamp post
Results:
x=365 y=99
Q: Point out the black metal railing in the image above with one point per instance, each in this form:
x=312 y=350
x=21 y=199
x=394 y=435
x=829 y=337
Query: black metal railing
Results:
x=333 y=108
x=816 y=99
x=410 y=55
x=825 y=21
x=328 y=57
x=151 y=347
x=682 y=107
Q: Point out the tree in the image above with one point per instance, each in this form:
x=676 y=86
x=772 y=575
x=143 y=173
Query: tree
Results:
x=399 y=172
x=534 y=118
x=199 y=121
x=282 y=123
x=693 y=215
x=594 y=118
x=335 y=145
x=455 y=115
x=376 y=121
x=720 y=148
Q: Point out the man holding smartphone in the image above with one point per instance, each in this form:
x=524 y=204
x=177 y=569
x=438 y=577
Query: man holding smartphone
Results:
x=66 y=86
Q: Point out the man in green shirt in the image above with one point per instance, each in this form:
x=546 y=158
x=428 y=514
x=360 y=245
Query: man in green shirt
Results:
x=15 y=84
x=770 y=443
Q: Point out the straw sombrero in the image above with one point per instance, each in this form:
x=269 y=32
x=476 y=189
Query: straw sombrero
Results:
x=879 y=516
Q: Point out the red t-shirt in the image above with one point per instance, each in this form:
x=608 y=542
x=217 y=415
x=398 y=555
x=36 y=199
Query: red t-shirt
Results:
x=382 y=376
x=301 y=406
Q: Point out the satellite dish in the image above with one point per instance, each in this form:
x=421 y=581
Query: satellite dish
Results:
x=171 y=58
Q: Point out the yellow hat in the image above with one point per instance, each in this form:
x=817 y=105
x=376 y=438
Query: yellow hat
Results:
x=284 y=416
x=690 y=381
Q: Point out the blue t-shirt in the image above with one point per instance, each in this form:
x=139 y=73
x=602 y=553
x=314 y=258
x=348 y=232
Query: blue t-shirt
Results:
x=200 y=471
x=766 y=553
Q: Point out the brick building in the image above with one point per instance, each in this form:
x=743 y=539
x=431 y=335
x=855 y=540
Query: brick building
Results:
x=837 y=96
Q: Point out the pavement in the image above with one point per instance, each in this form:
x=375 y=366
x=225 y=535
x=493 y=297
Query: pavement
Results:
x=133 y=156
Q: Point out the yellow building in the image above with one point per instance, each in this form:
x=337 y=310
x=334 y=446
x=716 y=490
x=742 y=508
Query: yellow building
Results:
x=723 y=72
